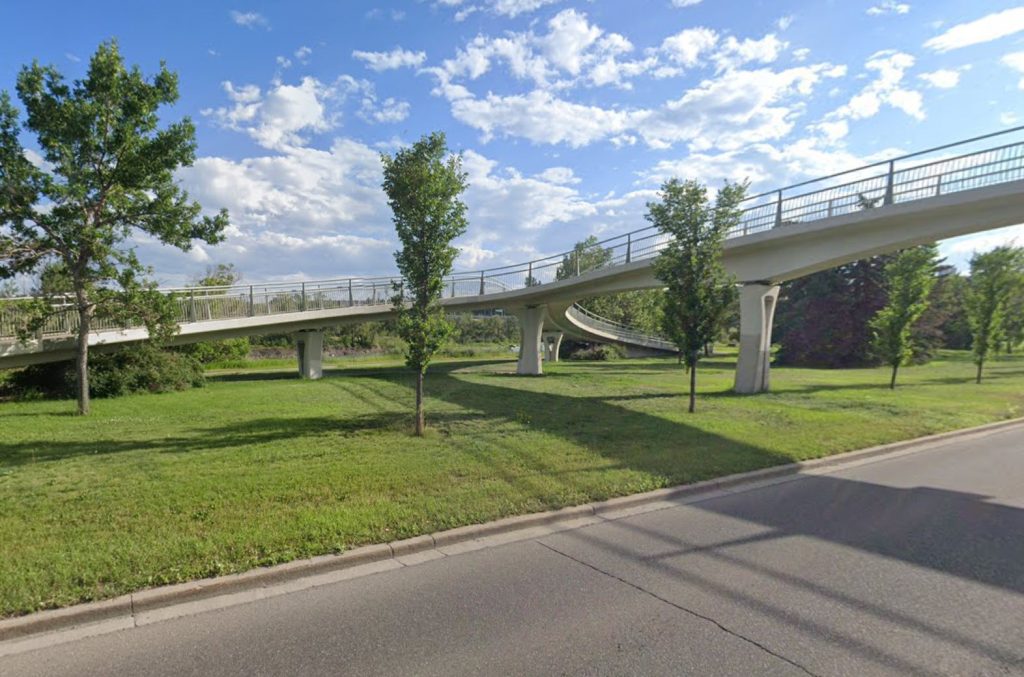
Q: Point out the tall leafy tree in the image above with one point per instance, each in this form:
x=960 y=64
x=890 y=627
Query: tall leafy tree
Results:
x=586 y=255
x=1013 y=322
x=109 y=171
x=423 y=184
x=908 y=279
x=995 y=275
x=699 y=289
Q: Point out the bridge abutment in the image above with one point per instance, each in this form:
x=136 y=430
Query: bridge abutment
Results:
x=531 y=326
x=757 y=311
x=309 y=348
x=552 y=342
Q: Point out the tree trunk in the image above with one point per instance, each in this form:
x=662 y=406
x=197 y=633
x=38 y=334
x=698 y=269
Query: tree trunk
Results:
x=419 y=403
x=693 y=387
x=892 y=381
x=980 y=363
x=82 y=355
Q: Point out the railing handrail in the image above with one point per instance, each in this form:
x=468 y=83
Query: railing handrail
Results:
x=623 y=329
x=900 y=158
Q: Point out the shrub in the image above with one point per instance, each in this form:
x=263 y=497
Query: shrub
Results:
x=133 y=369
x=208 y=352
x=597 y=353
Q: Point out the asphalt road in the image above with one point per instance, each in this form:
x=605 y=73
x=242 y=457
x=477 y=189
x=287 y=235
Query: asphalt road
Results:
x=907 y=566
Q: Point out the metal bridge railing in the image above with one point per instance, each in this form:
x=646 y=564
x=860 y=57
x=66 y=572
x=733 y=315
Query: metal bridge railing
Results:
x=943 y=170
x=623 y=332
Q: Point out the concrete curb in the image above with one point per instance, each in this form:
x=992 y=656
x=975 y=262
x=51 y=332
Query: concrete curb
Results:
x=127 y=607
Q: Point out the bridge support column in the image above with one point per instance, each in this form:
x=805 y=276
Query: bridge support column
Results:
x=531 y=326
x=757 y=310
x=309 y=347
x=552 y=341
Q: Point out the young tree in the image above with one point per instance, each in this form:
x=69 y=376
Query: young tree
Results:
x=994 y=277
x=423 y=184
x=699 y=290
x=109 y=170
x=908 y=281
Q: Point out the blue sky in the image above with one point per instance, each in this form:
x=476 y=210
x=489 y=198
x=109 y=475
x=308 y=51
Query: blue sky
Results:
x=568 y=114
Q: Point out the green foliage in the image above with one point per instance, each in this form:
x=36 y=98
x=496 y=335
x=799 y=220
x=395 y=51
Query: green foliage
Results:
x=585 y=255
x=995 y=276
x=210 y=352
x=220 y=275
x=227 y=350
x=597 y=353
x=142 y=368
x=908 y=278
x=699 y=290
x=423 y=188
x=641 y=310
x=110 y=171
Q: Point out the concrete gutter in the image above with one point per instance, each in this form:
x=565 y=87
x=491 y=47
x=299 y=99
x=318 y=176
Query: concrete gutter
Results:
x=44 y=628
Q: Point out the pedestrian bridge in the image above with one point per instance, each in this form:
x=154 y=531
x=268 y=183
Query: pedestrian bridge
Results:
x=956 y=189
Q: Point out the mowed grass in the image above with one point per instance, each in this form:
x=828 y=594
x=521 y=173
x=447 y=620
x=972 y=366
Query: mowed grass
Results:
x=260 y=468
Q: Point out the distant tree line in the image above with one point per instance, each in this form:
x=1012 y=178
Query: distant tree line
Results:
x=833 y=318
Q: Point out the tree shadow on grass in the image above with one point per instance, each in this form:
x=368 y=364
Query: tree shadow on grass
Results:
x=670 y=450
x=247 y=433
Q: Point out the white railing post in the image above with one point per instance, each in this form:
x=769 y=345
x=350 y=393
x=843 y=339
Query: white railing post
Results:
x=252 y=304
x=778 y=211
x=303 y=296
x=889 y=184
x=629 y=246
x=350 y=301
x=481 y=283
x=529 y=274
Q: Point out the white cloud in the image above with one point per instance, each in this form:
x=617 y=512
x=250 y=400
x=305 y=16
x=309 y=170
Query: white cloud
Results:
x=734 y=53
x=685 y=3
x=737 y=108
x=541 y=117
x=889 y=7
x=688 y=46
x=1015 y=60
x=389 y=110
x=302 y=53
x=988 y=28
x=887 y=89
x=250 y=19
x=945 y=78
x=508 y=8
x=396 y=58
x=282 y=116
x=568 y=39
x=513 y=8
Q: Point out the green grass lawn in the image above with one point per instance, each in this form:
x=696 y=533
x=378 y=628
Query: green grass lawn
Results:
x=259 y=467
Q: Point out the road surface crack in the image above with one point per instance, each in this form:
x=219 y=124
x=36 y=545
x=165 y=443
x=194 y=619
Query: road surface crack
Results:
x=695 y=614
